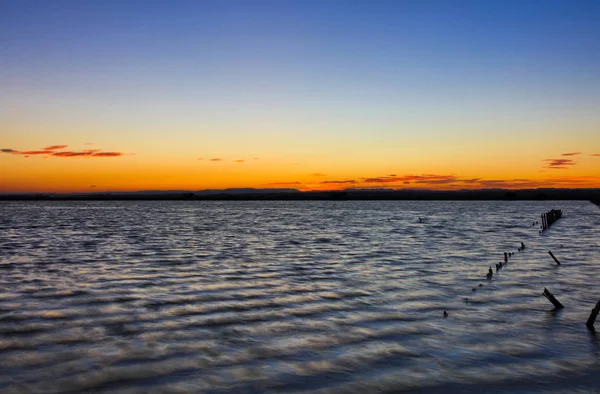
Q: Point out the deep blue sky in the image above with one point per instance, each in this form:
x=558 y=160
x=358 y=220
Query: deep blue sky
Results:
x=418 y=45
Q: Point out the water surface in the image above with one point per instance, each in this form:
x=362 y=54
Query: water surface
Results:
x=145 y=297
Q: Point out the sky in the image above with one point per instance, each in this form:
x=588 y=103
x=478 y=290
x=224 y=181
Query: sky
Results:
x=119 y=95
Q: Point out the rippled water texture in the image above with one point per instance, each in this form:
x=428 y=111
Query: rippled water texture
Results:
x=243 y=297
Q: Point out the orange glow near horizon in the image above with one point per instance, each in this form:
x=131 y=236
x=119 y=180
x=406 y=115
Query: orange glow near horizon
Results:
x=58 y=168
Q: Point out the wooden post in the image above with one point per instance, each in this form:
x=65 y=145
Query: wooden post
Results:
x=552 y=299
x=592 y=319
x=550 y=217
x=552 y=255
x=543 y=221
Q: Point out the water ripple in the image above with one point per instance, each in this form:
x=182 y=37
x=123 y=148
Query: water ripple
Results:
x=326 y=297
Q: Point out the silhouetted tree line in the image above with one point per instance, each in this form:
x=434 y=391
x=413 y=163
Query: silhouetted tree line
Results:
x=491 y=194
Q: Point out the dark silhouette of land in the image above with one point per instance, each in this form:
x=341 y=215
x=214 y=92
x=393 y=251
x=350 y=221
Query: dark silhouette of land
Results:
x=348 y=194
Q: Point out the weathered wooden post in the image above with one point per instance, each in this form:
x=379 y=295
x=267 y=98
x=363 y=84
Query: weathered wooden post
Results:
x=593 y=315
x=555 y=259
x=552 y=299
x=543 y=221
x=550 y=217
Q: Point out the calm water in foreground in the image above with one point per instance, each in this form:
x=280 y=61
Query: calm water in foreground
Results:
x=144 y=297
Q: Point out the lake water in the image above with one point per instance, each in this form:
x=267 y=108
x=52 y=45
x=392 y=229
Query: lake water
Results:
x=327 y=297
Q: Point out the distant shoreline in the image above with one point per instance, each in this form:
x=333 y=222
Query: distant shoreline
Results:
x=295 y=195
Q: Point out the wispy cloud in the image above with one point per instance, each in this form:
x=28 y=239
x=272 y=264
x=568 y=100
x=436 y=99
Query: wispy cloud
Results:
x=559 y=164
x=570 y=154
x=216 y=159
x=424 y=178
x=55 y=147
x=544 y=183
x=71 y=154
x=200 y=158
x=349 y=181
x=395 y=181
x=239 y=161
x=595 y=154
x=54 y=151
x=381 y=180
x=87 y=153
x=448 y=182
x=317 y=174
x=107 y=154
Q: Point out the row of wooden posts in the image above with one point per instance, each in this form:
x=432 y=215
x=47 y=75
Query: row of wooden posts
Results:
x=550 y=217
x=547 y=219
x=590 y=321
x=558 y=305
x=596 y=310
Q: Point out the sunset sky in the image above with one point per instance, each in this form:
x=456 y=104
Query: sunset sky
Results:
x=135 y=95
